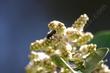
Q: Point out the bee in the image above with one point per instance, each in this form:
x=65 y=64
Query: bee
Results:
x=50 y=34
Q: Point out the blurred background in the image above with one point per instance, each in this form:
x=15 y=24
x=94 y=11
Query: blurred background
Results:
x=24 y=21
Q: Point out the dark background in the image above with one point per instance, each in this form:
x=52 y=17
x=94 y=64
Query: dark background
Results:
x=24 y=21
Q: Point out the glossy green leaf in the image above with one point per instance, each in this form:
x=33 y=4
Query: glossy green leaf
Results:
x=58 y=61
x=102 y=39
x=93 y=59
x=62 y=63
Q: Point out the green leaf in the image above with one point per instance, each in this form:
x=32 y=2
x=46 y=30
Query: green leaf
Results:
x=58 y=61
x=102 y=39
x=62 y=63
x=93 y=59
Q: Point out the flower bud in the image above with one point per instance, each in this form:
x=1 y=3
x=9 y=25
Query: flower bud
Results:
x=59 y=27
x=84 y=39
x=72 y=34
x=80 y=22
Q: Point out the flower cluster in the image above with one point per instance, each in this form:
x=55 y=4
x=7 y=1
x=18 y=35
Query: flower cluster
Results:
x=102 y=68
x=69 y=43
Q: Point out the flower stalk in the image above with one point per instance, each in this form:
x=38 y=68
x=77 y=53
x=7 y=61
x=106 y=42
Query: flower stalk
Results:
x=66 y=49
